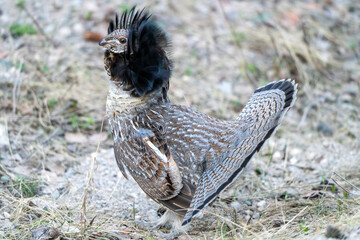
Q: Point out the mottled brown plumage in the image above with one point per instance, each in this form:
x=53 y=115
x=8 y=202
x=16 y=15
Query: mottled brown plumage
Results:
x=180 y=157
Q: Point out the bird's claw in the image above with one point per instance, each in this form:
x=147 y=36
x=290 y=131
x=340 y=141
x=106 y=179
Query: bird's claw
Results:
x=153 y=226
x=169 y=236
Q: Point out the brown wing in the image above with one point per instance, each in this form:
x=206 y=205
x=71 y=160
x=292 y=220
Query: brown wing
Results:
x=147 y=157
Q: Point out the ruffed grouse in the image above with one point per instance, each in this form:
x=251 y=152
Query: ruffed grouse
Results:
x=181 y=158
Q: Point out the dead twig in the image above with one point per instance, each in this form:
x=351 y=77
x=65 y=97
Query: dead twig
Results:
x=41 y=30
x=342 y=187
x=90 y=177
x=15 y=90
x=305 y=114
x=284 y=226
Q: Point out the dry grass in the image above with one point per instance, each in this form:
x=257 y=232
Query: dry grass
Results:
x=295 y=217
x=53 y=92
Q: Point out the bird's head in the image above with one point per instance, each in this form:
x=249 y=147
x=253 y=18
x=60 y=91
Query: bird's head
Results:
x=136 y=53
x=116 y=41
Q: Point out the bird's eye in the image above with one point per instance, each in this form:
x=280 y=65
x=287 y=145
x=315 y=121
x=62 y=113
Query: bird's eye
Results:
x=122 y=40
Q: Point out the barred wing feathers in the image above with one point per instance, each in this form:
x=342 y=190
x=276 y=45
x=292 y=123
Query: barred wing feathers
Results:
x=144 y=152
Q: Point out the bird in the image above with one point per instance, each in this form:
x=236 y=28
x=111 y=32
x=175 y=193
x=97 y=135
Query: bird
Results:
x=180 y=157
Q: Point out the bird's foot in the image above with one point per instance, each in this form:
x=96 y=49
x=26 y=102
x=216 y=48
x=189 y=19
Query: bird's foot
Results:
x=155 y=227
x=151 y=225
x=171 y=235
x=142 y=224
x=169 y=221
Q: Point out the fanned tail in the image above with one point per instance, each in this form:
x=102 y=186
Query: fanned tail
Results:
x=260 y=117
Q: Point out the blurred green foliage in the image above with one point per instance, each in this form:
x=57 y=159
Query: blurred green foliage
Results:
x=18 y=29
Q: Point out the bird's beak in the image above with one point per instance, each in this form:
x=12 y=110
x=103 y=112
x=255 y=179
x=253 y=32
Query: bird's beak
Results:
x=103 y=42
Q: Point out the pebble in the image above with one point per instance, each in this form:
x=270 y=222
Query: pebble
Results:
x=78 y=28
x=4 y=140
x=351 y=89
x=71 y=148
x=64 y=32
x=236 y=206
x=293 y=160
x=55 y=194
x=292 y=191
x=225 y=87
x=295 y=151
x=256 y=215
x=261 y=205
x=346 y=98
x=247 y=202
x=5 y=178
x=277 y=155
x=325 y=129
x=248 y=212
x=6 y=215
x=310 y=155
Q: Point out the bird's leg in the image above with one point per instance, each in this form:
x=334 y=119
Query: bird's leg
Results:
x=169 y=220
x=155 y=228
x=175 y=221
x=158 y=223
x=145 y=225
x=169 y=235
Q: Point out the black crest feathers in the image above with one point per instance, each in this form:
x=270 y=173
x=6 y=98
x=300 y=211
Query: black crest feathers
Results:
x=145 y=67
x=132 y=18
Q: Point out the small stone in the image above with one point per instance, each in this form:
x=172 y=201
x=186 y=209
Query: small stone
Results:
x=6 y=215
x=277 y=155
x=247 y=202
x=64 y=32
x=351 y=89
x=292 y=191
x=4 y=140
x=78 y=28
x=325 y=129
x=236 y=206
x=225 y=87
x=310 y=155
x=261 y=205
x=346 y=98
x=248 y=212
x=334 y=232
x=55 y=194
x=44 y=232
x=256 y=215
x=71 y=148
x=295 y=151
x=5 y=178
x=293 y=160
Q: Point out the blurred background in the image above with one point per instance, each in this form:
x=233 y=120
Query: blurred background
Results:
x=58 y=182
